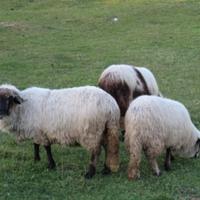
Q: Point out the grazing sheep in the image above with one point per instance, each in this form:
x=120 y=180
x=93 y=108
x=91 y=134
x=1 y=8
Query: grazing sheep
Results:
x=126 y=82
x=154 y=124
x=87 y=115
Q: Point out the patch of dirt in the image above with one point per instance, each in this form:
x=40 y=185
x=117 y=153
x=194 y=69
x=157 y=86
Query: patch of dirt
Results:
x=13 y=25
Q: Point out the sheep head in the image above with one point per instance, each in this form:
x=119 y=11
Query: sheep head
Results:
x=9 y=97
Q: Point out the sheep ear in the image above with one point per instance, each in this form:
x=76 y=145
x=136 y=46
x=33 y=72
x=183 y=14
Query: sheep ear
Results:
x=18 y=99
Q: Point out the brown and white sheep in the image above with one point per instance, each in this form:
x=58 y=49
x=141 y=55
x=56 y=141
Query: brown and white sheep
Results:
x=126 y=82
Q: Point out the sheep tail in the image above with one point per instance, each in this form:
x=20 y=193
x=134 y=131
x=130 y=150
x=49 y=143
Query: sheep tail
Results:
x=134 y=148
x=111 y=144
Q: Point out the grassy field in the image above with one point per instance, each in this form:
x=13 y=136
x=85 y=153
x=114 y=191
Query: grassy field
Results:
x=68 y=43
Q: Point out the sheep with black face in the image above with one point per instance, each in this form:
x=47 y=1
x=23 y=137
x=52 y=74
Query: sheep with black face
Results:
x=87 y=115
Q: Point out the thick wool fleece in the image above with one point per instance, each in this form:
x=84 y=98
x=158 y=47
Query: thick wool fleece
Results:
x=154 y=124
x=64 y=116
x=126 y=82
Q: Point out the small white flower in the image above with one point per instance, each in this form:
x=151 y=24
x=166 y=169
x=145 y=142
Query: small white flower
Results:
x=115 y=19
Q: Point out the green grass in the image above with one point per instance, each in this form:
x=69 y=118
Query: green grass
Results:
x=68 y=43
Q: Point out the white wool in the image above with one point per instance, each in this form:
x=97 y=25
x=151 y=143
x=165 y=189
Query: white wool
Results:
x=63 y=116
x=152 y=119
x=126 y=73
x=10 y=87
x=123 y=73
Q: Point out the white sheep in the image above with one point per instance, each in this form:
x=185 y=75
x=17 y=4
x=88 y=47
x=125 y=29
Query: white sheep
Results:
x=126 y=82
x=87 y=115
x=154 y=124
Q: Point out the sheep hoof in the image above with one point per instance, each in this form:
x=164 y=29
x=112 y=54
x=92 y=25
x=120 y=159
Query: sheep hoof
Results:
x=76 y=144
x=135 y=177
x=167 y=168
x=106 y=170
x=51 y=165
x=88 y=175
x=91 y=172
x=130 y=178
x=158 y=173
x=172 y=158
x=36 y=159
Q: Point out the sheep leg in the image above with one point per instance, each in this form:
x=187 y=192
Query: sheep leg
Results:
x=93 y=162
x=172 y=157
x=111 y=146
x=106 y=170
x=152 y=153
x=122 y=135
x=168 y=160
x=154 y=166
x=133 y=167
x=51 y=163
x=36 y=152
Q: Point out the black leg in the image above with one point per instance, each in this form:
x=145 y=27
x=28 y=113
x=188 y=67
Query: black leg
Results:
x=51 y=163
x=168 y=159
x=91 y=172
x=106 y=170
x=92 y=167
x=36 y=152
x=172 y=157
x=93 y=162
